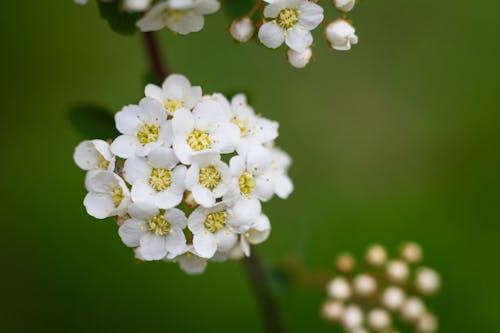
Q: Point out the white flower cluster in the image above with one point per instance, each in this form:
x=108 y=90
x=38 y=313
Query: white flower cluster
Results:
x=187 y=176
x=370 y=301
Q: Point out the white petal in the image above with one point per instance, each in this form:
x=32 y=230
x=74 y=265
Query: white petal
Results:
x=283 y=186
x=131 y=232
x=85 y=155
x=205 y=244
x=225 y=138
x=127 y=120
x=125 y=146
x=311 y=15
x=225 y=240
x=175 y=241
x=143 y=210
x=176 y=217
x=154 y=91
x=143 y=192
x=192 y=264
x=203 y=196
x=135 y=169
x=163 y=157
x=271 y=35
x=153 y=247
x=153 y=20
x=299 y=39
x=182 y=123
x=98 y=205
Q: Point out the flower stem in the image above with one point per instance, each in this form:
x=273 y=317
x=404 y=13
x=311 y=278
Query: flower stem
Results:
x=256 y=273
x=268 y=308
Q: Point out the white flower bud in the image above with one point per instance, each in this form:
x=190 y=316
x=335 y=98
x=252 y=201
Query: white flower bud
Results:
x=136 y=5
x=397 y=271
x=379 y=319
x=427 y=281
x=364 y=285
x=427 y=323
x=341 y=35
x=411 y=252
x=242 y=29
x=412 y=309
x=344 y=5
x=393 y=298
x=299 y=59
x=376 y=255
x=333 y=310
x=339 y=289
x=353 y=317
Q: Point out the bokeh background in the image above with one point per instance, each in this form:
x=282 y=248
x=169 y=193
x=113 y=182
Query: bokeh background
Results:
x=396 y=140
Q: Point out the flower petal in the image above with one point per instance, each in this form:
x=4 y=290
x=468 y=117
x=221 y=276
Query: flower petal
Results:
x=271 y=35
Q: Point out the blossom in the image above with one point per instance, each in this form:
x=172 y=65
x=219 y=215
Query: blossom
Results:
x=144 y=128
x=280 y=162
x=299 y=59
x=155 y=232
x=94 y=155
x=108 y=195
x=257 y=233
x=189 y=261
x=175 y=93
x=344 y=5
x=181 y=16
x=242 y=29
x=203 y=134
x=156 y=178
x=292 y=22
x=208 y=181
x=212 y=229
x=341 y=35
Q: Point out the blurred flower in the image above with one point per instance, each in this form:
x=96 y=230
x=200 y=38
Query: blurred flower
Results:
x=341 y=35
x=376 y=255
x=427 y=281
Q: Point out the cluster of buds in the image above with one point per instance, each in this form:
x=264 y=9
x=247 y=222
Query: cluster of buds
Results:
x=186 y=177
x=382 y=292
x=279 y=22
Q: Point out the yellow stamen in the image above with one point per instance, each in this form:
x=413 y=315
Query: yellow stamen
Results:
x=215 y=221
x=160 y=179
x=199 y=140
x=158 y=225
x=148 y=133
x=209 y=177
x=246 y=183
x=287 y=18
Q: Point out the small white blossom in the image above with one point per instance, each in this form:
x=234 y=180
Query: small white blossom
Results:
x=153 y=231
x=259 y=231
x=341 y=35
x=203 y=134
x=397 y=271
x=339 y=289
x=189 y=261
x=144 y=129
x=427 y=323
x=333 y=310
x=376 y=255
x=280 y=162
x=412 y=308
x=292 y=21
x=364 y=285
x=92 y=156
x=208 y=181
x=175 y=93
x=379 y=319
x=344 y=5
x=393 y=298
x=212 y=230
x=427 y=281
x=156 y=178
x=242 y=29
x=136 y=5
x=353 y=317
x=181 y=16
x=299 y=59
x=108 y=195
x=411 y=252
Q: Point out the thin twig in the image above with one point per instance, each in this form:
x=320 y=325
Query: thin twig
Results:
x=268 y=308
x=156 y=62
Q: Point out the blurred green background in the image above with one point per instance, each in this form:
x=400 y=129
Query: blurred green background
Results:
x=396 y=140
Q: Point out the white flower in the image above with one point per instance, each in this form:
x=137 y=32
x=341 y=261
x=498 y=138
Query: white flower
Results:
x=280 y=162
x=94 y=155
x=212 y=230
x=242 y=29
x=189 y=261
x=397 y=271
x=154 y=232
x=259 y=231
x=250 y=171
x=364 y=285
x=344 y=5
x=393 y=298
x=203 y=134
x=144 y=129
x=182 y=16
x=376 y=255
x=341 y=35
x=299 y=59
x=208 y=181
x=427 y=281
x=136 y=5
x=412 y=309
x=411 y=252
x=379 y=319
x=333 y=310
x=353 y=317
x=339 y=289
x=253 y=129
x=156 y=178
x=176 y=92
x=108 y=195
x=292 y=22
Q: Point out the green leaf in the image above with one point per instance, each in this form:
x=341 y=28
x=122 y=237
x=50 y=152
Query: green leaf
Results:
x=120 y=21
x=93 y=121
x=235 y=9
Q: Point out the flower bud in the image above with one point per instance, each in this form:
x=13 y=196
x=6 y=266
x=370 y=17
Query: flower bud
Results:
x=397 y=271
x=242 y=29
x=345 y=263
x=379 y=319
x=353 y=317
x=393 y=298
x=136 y=5
x=376 y=255
x=412 y=309
x=344 y=5
x=339 y=289
x=364 y=285
x=332 y=310
x=411 y=252
x=299 y=59
x=427 y=281
x=341 y=35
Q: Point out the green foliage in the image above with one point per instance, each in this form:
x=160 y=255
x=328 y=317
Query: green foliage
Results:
x=93 y=121
x=239 y=8
x=120 y=21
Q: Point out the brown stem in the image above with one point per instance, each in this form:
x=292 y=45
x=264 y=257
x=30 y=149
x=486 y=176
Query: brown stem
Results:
x=156 y=62
x=268 y=308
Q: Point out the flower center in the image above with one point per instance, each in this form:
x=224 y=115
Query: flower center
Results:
x=199 y=140
x=287 y=18
x=102 y=163
x=160 y=179
x=246 y=183
x=174 y=14
x=158 y=225
x=215 y=221
x=209 y=177
x=148 y=133
x=116 y=195
x=172 y=104
x=242 y=124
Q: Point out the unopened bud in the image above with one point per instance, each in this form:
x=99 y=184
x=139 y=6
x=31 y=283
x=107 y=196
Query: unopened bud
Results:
x=299 y=59
x=242 y=29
